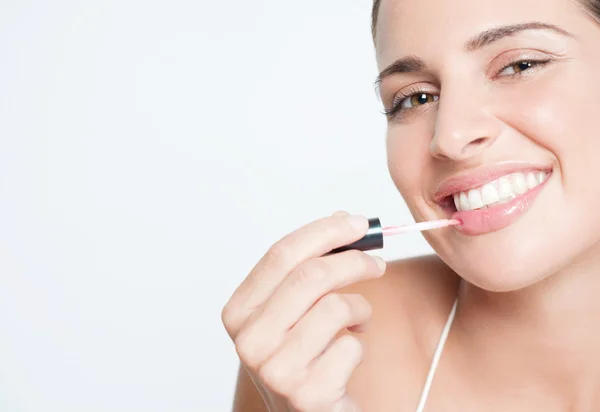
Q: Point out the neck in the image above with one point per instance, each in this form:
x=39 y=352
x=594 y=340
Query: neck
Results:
x=545 y=336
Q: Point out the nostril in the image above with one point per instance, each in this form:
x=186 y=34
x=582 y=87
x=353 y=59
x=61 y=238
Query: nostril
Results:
x=479 y=141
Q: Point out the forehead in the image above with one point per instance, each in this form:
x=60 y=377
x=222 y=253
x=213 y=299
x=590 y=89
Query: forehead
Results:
x=427 y=28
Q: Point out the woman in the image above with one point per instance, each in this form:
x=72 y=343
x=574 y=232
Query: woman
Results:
x=493 y=117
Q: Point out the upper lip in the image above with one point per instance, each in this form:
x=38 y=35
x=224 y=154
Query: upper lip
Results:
x=465 y=181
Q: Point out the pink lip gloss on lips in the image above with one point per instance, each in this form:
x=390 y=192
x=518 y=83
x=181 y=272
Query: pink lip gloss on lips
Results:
x=374 y=238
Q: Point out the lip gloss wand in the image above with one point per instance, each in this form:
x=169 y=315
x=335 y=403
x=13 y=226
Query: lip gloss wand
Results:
x=374 y=238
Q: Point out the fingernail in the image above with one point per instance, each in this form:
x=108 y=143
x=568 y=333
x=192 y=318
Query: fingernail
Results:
x=360 y=223
x=341 y=213
x=380 y=263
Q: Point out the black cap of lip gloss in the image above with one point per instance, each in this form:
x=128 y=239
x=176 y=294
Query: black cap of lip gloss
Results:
x=371 y=241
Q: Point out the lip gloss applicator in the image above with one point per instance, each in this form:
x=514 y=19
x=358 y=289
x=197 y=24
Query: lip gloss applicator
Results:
x=374 y=238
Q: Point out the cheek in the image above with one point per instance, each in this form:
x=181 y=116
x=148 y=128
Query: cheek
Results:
x=567 y=114
x=543 y=110
x=560 y=112
x=408 y=156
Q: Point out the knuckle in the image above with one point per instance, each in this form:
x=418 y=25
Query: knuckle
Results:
x=338 y=304
x=229 y=317
x=352 y=346
x=247 y=350
x=345 y=224
x=311 y=271
x=306 y=398
x=279 y=251
x=340 y=223
x=332 y=225
x=273 y=376
x=339 y=219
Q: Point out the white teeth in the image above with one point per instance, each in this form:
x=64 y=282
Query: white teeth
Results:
x=519 y=183
x=475 y=200
x=541 y=176
x=505 y=189
x=489 y=194
x=531 y=181
x=499 y=191
x=464 y=201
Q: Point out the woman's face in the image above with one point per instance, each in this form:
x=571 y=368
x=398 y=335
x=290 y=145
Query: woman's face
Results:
x=496 y=122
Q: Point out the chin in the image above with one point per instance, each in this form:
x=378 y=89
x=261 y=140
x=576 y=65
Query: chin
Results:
x=507 y=267
x=548 y=237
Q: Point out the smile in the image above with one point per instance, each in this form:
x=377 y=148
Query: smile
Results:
x=499 y=191
x=488 y=200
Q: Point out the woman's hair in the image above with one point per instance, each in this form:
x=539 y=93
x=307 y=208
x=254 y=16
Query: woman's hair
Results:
x=591 y=6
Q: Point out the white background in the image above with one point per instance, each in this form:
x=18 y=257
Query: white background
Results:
x=150 y=152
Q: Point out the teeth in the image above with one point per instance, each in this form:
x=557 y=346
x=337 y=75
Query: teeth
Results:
x=531 y=181
x=464 y=201
x=499 y=191
x=475 y=201
x=489 y=194
x=541 y=176
x=519 y=183
x=457 y=201
x=505 y=189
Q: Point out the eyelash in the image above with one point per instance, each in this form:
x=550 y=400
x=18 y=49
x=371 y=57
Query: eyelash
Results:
x=402 y=97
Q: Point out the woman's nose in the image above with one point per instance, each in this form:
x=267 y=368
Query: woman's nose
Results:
x=465 y=127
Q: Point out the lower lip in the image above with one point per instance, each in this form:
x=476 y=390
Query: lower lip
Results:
x=482 y=221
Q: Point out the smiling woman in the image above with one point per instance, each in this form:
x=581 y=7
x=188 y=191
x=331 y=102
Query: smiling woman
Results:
x=492 y=121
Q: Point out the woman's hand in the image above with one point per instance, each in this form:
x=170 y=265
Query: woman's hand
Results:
x=286 y=317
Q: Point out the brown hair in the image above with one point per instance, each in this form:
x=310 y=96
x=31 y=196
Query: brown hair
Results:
x=591 y=6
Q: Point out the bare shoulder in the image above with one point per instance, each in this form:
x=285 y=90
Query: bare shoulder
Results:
x=424 y=286
x=411 y=292
x=411 y=304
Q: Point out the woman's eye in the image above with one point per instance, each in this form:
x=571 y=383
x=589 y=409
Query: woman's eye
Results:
x=417 y=99
x=410 y=101
x=519 y=67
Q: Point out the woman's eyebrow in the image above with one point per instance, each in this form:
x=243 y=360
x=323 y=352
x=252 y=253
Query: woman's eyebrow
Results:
x=490 y=36
x=410 y=64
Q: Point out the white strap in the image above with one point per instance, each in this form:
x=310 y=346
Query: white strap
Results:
x=436 y=358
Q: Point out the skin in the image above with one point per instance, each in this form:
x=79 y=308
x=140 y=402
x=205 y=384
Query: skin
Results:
x=525 y=335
